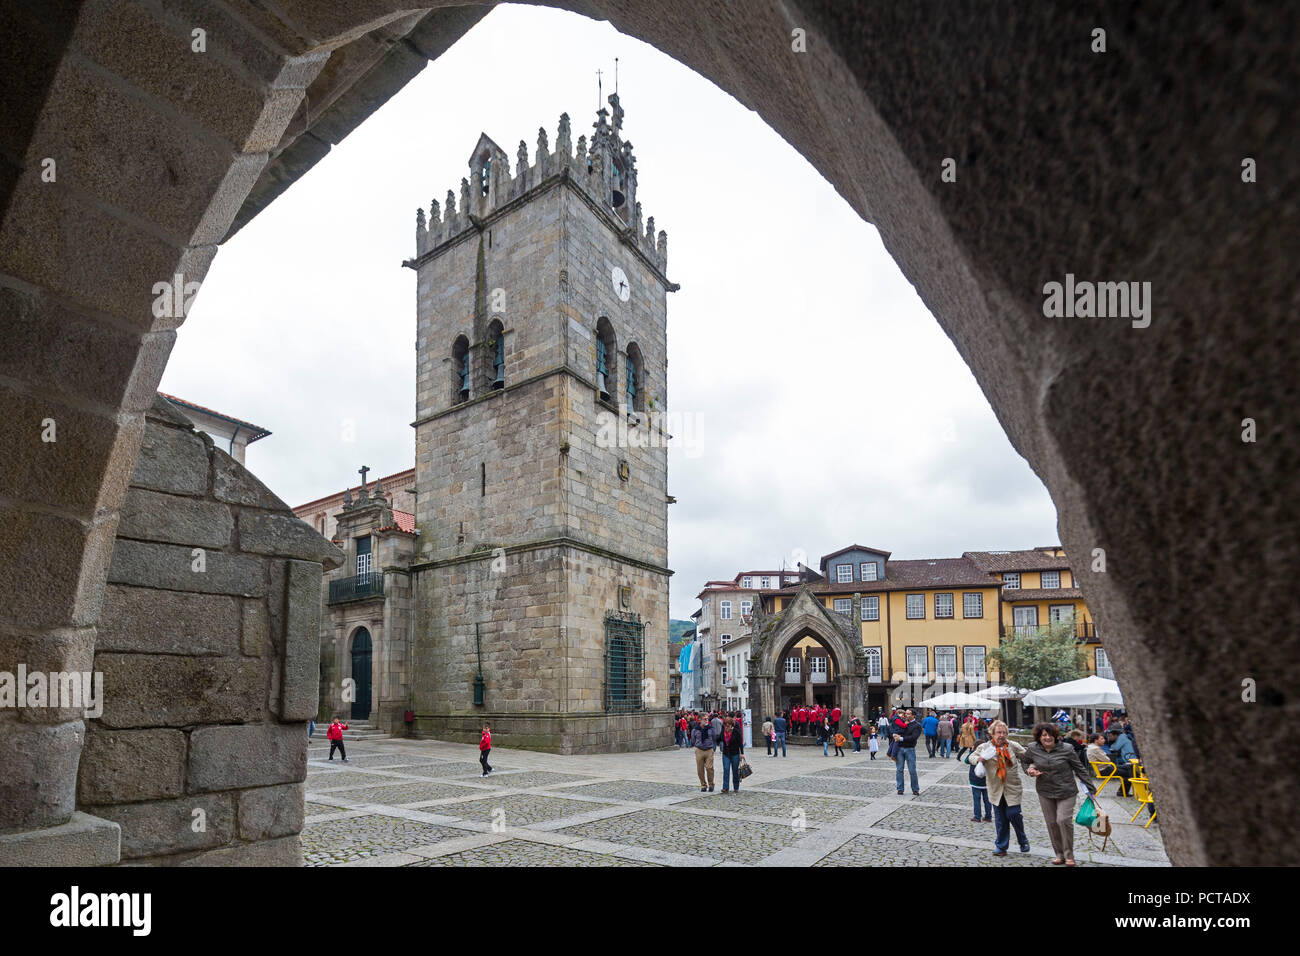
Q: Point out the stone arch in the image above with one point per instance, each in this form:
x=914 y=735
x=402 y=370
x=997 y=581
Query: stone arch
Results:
x=1089 y=403
x=806 y=616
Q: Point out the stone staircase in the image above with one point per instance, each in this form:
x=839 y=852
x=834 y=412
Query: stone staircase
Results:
x=357 y=730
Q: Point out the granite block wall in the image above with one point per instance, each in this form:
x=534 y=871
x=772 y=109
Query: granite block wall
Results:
x=208 y=645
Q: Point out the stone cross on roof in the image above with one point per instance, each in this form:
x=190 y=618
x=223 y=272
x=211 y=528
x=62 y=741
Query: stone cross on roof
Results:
x=362 y=471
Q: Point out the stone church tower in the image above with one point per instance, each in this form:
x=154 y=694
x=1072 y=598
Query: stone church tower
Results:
x=541 y=575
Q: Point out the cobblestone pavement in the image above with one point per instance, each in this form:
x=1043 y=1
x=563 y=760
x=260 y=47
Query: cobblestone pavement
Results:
x=883 y=851
x=425 y=803
x=523 y=853
x=685 y=834
x=355 y=838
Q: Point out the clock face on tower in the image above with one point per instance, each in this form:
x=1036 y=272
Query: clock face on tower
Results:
x=619 y=280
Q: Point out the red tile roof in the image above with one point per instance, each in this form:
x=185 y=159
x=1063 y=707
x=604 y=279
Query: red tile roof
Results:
x=902 y=575
x=1040 y=594
x=405 y=520
x=396 y=479
x=998 y=561
x=259 y=431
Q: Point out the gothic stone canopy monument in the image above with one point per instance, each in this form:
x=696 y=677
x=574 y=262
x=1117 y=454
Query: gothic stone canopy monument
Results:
x=540 y=572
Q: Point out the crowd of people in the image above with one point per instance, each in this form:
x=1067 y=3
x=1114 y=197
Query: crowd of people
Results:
x=1059 y=758
x=710 y=732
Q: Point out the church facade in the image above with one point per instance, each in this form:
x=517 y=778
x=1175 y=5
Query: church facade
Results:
x=532 y=591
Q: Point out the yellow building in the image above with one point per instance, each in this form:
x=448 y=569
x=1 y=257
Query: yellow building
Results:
x=910 y=626
x=1038 y=589
x=921 y=622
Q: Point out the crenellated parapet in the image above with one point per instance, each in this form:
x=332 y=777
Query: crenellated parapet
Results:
x=604 y=168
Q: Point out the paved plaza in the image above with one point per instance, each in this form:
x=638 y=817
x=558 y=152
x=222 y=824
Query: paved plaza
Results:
x=425 y=803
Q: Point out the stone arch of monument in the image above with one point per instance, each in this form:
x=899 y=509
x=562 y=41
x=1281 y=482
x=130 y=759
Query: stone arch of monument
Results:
x=126 y=158
x=805 y=616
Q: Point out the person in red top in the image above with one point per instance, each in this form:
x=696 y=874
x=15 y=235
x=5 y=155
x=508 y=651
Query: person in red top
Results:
x=335 y=736
x=855 y=728
x=485 y=748
x=801 y=719
x=835 y=719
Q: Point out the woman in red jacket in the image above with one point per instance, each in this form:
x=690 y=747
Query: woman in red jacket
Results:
x=335 y=736
x=485 y=748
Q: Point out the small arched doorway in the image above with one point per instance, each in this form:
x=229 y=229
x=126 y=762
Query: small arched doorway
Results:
x=361 y=649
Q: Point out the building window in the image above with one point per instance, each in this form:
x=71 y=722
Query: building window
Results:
x=945 y=663
x=767 y=582
x=1011 y=580
x=747 y=582
x=624 y=663
x=817 y=665
x=1051 y=579
x=871 y=608
x=726 y=638
x=973 y=663
x=1024 y=620
x=635 y=390
x=843 y=573
x=873 y=663
x=1060 y=612
x=868 y=570
x=1103 y=665
x=460 y=369
x=724 y=673
x=496 y=337
x=726 y=610
x=915 y=607
x=793 y=668
x=844 y=605
x=746 y=607
x=972 y=604
x=943 y=606
x=917 y=663
x=363 y=558
x=606 y=353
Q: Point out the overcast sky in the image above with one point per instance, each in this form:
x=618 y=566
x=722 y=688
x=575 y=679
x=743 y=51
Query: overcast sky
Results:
x=829 y=407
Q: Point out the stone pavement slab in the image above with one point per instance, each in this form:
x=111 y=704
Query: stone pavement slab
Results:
x=419 y=803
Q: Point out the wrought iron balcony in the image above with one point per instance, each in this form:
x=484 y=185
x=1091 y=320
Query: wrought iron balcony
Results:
x=1083 y=631
x=356 y=588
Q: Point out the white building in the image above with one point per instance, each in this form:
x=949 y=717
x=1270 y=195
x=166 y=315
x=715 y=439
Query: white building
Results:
x=735 y=673
x=231 y=435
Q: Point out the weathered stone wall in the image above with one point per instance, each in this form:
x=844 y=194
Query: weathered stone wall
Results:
x=208 y=644
x=541 y=620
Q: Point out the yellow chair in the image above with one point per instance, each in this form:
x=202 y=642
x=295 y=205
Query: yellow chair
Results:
x=1142 y=791
x=1110 y=773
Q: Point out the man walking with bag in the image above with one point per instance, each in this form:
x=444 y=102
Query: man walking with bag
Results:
x=703 y=741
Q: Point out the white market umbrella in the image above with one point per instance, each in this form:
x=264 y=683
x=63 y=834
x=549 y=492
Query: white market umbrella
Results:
x=1090 y=691
x=958 y=701
x=1003 y=692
